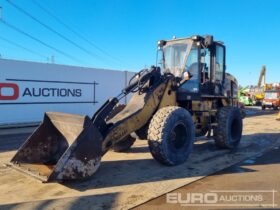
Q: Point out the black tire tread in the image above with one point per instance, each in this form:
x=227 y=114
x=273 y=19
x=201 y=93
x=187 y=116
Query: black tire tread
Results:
x=220 y=136
x=155 y=134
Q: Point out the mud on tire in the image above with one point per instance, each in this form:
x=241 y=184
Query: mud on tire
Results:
x=229 y=129
x=171 y=135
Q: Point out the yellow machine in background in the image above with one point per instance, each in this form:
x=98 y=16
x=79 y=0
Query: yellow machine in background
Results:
x=260 y=95
x=258 y=92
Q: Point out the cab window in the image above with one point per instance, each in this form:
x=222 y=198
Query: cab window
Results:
x=205 y=65
x=219 y=63
x=192 y=65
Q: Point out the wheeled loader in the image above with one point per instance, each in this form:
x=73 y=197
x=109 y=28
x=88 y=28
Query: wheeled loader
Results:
x=187 y=94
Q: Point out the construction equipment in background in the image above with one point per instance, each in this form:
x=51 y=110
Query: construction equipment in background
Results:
x=253 y=95
x=190 y=95
x=262 y=77
x=245 y=97
x=271 y=96
x=256 y=93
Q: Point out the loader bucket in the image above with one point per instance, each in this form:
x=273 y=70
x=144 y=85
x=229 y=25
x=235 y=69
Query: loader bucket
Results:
x=63 y=147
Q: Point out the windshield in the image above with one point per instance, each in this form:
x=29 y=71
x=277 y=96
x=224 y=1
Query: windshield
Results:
x=271 y=95
x=192 y=85
x=174 y=57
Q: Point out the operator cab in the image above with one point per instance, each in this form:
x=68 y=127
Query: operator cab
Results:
x=198 y=63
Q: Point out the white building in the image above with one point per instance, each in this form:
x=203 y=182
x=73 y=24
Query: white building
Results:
x=28 y=89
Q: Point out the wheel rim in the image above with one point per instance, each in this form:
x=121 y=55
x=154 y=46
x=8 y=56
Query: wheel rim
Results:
x=178 y=136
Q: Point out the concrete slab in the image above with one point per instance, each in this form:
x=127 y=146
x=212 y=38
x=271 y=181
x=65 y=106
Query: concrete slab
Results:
x=257 y=177
x=125 y=180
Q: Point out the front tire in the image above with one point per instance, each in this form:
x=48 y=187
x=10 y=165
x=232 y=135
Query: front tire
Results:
x=171 y=135
x=229 y=129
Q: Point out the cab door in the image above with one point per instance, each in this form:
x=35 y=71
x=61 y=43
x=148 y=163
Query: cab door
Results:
x=219 y=64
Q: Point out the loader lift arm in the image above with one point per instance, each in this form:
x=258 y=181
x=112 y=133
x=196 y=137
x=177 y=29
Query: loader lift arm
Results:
x=67 y=146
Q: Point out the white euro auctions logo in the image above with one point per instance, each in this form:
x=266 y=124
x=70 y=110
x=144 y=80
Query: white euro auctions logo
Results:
x=192 y=198
x=233 y=198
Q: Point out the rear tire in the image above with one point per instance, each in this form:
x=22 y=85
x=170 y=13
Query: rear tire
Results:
x=124 y=145
x=171 y=135
x=229 y=130
x=263 y=107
